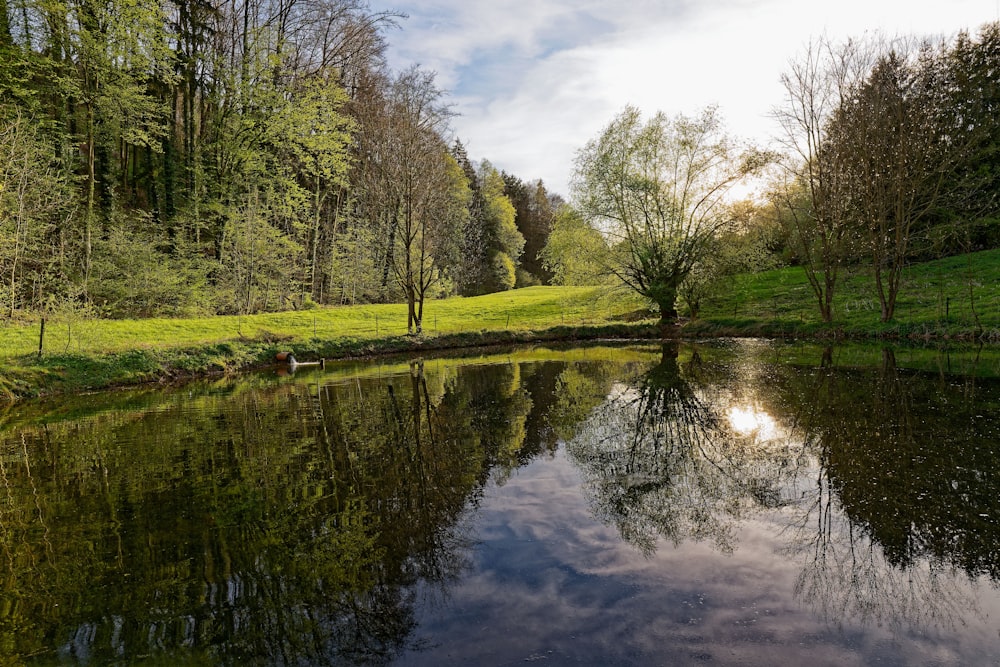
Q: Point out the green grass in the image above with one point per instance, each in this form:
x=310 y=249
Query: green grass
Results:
x=519 y=310
x=82 y=355
x=936 y=301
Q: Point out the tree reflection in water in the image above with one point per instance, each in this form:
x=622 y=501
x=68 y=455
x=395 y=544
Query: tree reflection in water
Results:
x=662 y=460
x=290 y=523
x=902 y=488
x=894 y=515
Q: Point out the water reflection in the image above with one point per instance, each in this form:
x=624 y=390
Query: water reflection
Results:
x=879 y=481
x=315 y=519
x=752 y=421
x=663 y=461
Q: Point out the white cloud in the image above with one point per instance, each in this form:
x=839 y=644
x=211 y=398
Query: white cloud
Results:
x=534 y=80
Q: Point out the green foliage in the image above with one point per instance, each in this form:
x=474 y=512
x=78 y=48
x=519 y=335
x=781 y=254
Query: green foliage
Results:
x=505 y=241
x=188 y=115
x=34 y=198
x=133 y=275
x=504 y=273
x=492 y=234
x=535 y=215
x=575 y=253
x=894 y=155
x=259 y=262
x=746 y=248
x=658 y=189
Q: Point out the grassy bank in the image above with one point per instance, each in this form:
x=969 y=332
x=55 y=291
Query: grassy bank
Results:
x=956 y=297
x=83 y=355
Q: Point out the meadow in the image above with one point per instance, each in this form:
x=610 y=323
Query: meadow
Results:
x=952 y=298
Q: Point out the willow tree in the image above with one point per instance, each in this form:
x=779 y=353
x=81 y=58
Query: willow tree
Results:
x=658 y=189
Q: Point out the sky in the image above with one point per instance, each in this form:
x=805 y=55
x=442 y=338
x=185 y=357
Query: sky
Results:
x=531 y=81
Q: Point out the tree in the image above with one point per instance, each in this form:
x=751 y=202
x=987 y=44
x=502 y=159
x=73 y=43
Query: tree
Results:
x=535 y=214
x=493 y=244
x=744 y=248
x=176 y=116
x=895 y=160
x=312 y=137
x=972 y=89
x=658 y=189
x=910 y=139
x=472 y=270
x=814 y=193
x=575 y=253
x=415 y=192
x=504 y=242
x=32 y=193
x=118 y=49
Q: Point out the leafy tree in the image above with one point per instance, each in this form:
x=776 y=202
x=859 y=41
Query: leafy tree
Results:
x=312 y=137
x=33 y=197
x=535 y=214
x=969 y=72
x=505 y=243
x=493 y=244
x=472 y=270
x=136 y=274
x=889 y=155
x=575 y=253
x=257 y=260
x=117 y=48
x=658 y=188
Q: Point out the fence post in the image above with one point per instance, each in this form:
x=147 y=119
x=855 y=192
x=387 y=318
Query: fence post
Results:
x=41 y=338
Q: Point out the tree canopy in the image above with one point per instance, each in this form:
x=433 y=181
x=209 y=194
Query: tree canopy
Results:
x=232 y=158
x=658 y=189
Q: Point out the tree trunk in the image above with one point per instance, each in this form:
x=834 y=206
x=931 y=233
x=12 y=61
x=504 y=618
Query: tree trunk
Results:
x=317 y=203
x=668 y=319
x=88 y=228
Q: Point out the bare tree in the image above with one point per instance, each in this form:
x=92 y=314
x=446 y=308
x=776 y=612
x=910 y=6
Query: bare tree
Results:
x=415 y=193
x=813 y=196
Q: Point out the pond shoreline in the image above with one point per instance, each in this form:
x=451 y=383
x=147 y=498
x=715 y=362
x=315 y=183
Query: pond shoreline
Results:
x=58 y=374
x=55 y=374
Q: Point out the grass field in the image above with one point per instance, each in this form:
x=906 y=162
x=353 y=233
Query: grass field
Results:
x=520 y=310
x=87 y=354
x=957 y=297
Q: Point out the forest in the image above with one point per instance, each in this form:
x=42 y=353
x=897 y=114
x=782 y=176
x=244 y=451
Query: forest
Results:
x=199 y=157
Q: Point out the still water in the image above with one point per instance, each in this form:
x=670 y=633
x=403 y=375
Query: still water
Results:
x=729 y=503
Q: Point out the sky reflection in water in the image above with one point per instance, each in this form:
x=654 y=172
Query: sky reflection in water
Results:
x=550 y=583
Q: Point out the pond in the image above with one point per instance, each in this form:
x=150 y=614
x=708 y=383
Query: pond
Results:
x=731 y=502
